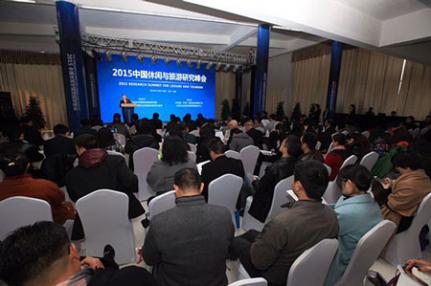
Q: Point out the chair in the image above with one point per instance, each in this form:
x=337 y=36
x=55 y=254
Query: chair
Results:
x=248 y=156
x=333 y=193
x=193 y=147
x=21 y=211
x=192 y=156
x=161 y=203
x=219 y=134
x=224 y=191
x=369 y=160
x=232 y=154
x=115 y=153
x=405 y=245
x=279 y=198
x=318 y=145
x=312 y=266
x=200 y=165
x=329 y=169
x=104 y=217
x=366 y=253
x=143 y=159
x=120 y=138
x=250 y=282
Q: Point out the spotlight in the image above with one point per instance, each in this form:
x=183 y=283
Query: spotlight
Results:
x=125 y=57
x=167 y=61
x=190 y=64
x=218 y=66
x=140 y=58
x=236 y=68
x=198 y=64
x=108 y=55
x=209 y=65
x=90 y=53
x=227 y=67
x=179 y=62
x=153 y=59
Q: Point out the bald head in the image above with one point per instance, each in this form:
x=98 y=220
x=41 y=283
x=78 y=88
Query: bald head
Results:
x=232 y=124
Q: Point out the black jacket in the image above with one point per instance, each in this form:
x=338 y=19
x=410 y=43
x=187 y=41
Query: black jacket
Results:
x=274 y=173
x=96 y=171
x=59 y=145
x=130 y=275
x=220 y=166
x=257 y=137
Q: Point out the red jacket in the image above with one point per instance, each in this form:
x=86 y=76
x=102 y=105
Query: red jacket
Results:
x=335 y=159
x=26 y=186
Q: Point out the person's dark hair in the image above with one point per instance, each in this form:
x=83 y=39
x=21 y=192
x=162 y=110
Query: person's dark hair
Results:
x=216 y=145
x=174 y=150
x=60 y=129
x=358 y=174
x=135 y=117
x=206 y=131
x=313 y=176
x=407 y=159
x=187 y=179
x=340 y=138
x=293 y=145
x=31 y=250
x=310 y=139
x=86 y=141
x=13 y=162
x=105 y=138
x=155 y=115
x=145 y=127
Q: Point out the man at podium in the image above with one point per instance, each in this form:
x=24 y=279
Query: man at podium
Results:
x=127 y=108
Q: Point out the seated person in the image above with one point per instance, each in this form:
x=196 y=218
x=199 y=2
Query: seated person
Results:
x=96 y=170
x=335 y=158
x=60 y=144
x=174 y=158
x=357 y=213
x=219 y=165
x=255 y=134
x=358 y=144
x=290 y=149
x=271 y=253
x=18 y=182
x=41 y=254
x=188 y=244
x=308 y=147
x=239 y=140
x=119 y=126
x=86 y=128
x=407 y=191
x=206 y=133
x=106 y=140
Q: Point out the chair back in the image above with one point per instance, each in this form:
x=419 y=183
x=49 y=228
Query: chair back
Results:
x=318 y=145
x=120 y=138
x=312 y=266
x=366 y=253
x=369 y=160
x=333 y=193
x=250 y=282
x=192 y=156
x=280 y=197
x=193 y=147
x=104 y=217
x=329 y=169
x=224 y=191
x=200 y=165
x=161 y=203
x=232 y=154
x=249 y=157
x=143 y=159
x=349 y=161
x=115 y=153
x=406 y=245
x=18 y=211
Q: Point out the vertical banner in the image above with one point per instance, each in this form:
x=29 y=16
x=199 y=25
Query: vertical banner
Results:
x=238 y=89
x=334 y=77
x=72 y=63
x=91 y=84
x=261 y=74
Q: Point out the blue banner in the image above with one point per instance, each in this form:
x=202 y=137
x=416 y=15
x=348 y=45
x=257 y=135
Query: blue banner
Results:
x=261 y=72
x=155 y=87
x=72 y=63
x=334 y=77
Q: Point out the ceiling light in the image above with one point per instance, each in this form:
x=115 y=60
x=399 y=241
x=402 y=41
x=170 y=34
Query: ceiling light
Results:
x=218 y=66
x=108 y=55
x=140 y=58
x=125 y=57
x=167 y=61
x=209 y=65
x=24 y=1
x=179 y=62
x=153 y=59
x=190 y=64
x=198 y=64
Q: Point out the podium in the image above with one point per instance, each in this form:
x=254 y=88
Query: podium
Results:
x=128 y=110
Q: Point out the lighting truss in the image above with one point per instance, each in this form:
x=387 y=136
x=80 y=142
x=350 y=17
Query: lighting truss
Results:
x=163 y=50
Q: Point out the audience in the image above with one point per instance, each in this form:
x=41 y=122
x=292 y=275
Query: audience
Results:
x=290 y=149
x=407 y=191
x=18 y=182
x=117 y=126
x=42 y=254
x=357 y=213
x=256 y=135
x=156 y=122
x=308 y=147
x=219 y=165
x=188 y=245
x=86 y=128
x=106 y=140
x=271 y=253
x=337 y=155
x=96 y=170
x=174 y=158
x=358 y=144
x=206 y=133
x=61 y=144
